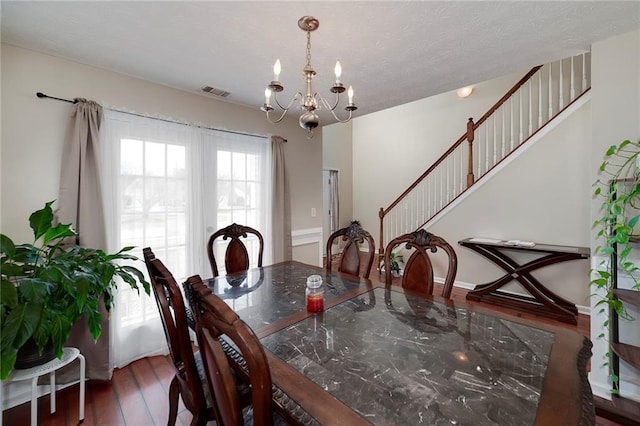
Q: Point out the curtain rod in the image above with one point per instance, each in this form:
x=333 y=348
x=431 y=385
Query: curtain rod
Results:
x=42 y=96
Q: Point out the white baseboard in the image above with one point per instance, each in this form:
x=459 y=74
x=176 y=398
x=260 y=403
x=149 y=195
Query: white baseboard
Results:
x=600 y=389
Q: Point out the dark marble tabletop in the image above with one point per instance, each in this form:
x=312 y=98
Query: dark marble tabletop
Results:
x=387 y=357
x=406 y=360
x=265 y=295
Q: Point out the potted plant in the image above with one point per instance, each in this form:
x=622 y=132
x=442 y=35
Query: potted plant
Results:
x=396 y=259
x=49 y=285
x=618 y=228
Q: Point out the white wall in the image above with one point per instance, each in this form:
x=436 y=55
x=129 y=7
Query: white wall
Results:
x=543 y=195
x=33 y=130
x=615 y=67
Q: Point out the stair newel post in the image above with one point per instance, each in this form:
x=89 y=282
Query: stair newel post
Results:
x=470 y=178
x=381 y=242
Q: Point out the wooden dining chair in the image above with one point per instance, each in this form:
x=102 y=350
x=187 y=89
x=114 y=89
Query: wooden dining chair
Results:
x=188 y=380
x=418 y=270
x=216 y=323
x=236 y=257
x=350 y=262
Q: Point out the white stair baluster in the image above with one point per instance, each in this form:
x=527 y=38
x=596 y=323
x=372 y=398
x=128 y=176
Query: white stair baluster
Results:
x=539 y=98
x=520 y=135
x=561 y=88
x=495 y=142
x=572 y=90
x=511 y=122
x=486 y=144
x=550 y=95
x=584 y=72
x=531 y=107
x=504 y=131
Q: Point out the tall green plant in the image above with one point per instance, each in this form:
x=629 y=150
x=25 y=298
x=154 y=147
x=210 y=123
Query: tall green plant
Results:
x=47 y=286
x=619 y=190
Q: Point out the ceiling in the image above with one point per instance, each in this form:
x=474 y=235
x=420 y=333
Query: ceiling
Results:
x=391 y=52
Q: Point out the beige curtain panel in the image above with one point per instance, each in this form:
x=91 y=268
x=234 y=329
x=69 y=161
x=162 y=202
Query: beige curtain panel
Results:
x=281 y=214
x=80 y=203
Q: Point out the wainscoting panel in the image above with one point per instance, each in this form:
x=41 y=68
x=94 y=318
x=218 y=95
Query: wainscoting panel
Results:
x=307 y=245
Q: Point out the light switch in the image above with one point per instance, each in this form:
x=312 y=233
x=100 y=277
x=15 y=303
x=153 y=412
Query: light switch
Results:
x=313 y=212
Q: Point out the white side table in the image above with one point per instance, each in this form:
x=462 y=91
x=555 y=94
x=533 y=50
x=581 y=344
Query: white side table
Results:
x=69 y=354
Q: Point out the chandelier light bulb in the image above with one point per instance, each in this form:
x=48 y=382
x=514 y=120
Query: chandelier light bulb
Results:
x=350 y=94
x=276 y=70
x=338 y=71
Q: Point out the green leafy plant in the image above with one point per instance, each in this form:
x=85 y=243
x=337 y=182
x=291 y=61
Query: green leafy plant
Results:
x=48 y=285
x=395 y=258
x=617 y=227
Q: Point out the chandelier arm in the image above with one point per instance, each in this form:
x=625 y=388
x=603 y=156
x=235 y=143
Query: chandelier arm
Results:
x=284 y=112
x=326 y=104
x=295 y=96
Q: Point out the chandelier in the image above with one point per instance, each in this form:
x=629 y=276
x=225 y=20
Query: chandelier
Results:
x=310 y=101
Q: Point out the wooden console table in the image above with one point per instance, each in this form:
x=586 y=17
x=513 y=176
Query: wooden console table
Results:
x=544 y=302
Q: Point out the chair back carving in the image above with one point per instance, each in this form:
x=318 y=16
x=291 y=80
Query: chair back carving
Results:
x=174 y=321
x=349 y=262
x=216 y=320
x=418 y=270
x=236 y=257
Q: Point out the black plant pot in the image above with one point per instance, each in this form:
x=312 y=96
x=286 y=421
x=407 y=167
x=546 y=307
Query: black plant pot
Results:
x=28 y=355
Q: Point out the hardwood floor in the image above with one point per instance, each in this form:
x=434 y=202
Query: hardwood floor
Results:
x=138 y=393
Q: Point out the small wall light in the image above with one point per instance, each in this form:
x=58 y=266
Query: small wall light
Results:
x=464 y=92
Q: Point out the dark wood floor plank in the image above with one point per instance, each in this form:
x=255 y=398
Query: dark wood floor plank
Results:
x=132 y=404
x=164 y=371
x=105 y=405
x=152 y=390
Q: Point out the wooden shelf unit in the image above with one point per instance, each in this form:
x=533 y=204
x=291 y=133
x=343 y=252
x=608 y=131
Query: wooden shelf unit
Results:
x=622 y=351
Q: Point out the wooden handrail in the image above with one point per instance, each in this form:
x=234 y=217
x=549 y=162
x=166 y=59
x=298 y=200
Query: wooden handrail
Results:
x=469 y=136
x=383 y=212
x=505 y=158
x=510 y=93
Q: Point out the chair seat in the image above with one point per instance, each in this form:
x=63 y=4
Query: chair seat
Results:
x=203 y=378
x=243 y=388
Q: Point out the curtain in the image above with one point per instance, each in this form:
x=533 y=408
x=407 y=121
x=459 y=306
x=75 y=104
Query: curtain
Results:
x=169 y=186
x=152 y=193
x=334 y=202
x=80 y=203
x=281 y=207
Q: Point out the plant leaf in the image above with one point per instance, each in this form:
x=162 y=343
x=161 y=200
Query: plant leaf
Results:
x=40 y=220
x=8 y=294
x=60 y=231
x=7 y=247
x=7 y=361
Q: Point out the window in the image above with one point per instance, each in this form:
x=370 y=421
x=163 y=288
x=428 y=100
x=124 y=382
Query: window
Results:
x=169 y=186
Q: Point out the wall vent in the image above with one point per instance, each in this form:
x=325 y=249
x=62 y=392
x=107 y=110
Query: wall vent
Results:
x=215 y=91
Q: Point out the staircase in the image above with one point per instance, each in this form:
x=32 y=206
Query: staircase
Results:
x=543 y=94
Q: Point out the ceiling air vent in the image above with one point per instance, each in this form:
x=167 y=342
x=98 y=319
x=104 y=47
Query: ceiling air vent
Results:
x=215 y=91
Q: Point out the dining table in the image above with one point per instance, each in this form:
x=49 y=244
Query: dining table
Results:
x=381 y=355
